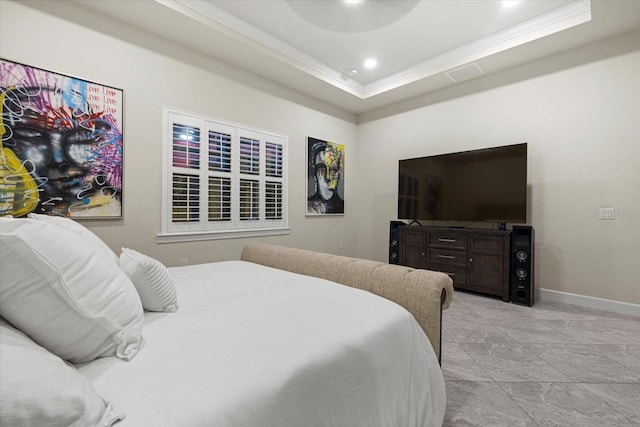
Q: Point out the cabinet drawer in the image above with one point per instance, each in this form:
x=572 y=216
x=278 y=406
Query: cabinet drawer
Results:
x=457 y=273
x=447 y=256
x=413 y=238
x=444 y=239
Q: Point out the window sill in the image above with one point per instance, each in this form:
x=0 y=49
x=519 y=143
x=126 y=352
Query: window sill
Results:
x=195 y=236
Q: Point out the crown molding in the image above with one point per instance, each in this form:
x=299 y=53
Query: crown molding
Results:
x=551 y=22
x=220 y=20
x=559 y=19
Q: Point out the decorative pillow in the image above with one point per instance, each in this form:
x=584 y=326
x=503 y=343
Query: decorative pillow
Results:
x=56 y=287
x=151 y=279
x=38 y=389
x=76 y=227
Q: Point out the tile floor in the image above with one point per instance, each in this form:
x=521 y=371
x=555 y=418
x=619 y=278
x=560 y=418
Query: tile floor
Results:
x=552 y=364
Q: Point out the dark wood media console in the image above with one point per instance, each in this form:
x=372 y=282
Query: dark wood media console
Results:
x=476 y=259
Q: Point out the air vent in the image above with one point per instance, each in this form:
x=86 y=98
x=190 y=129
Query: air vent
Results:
x=466 y=72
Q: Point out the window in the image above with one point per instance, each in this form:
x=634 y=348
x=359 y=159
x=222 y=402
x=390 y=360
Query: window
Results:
x=221 y=179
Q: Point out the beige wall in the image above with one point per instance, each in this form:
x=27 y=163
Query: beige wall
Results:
x=578 y=113
x=582 y=125
x=152 y=78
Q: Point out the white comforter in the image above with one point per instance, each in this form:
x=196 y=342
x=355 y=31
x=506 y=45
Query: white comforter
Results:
x=255 y=346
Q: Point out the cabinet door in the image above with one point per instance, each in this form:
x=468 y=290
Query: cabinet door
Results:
x=488 y=263
x=413 y=246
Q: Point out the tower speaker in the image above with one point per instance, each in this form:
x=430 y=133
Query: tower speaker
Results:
x=521 y=271
x=394 y=242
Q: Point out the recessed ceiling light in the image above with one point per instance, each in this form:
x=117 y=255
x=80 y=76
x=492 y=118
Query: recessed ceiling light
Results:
x=509 y=3
x=353 y=72
x=352 y=1
x=370 y=64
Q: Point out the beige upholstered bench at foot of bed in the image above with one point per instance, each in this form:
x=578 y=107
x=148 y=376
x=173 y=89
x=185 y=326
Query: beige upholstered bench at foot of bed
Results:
x=423 y=293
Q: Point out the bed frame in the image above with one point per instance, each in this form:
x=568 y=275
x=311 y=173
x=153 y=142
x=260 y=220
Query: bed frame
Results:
x=423 y=293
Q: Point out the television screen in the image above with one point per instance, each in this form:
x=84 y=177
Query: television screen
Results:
x=487 y=185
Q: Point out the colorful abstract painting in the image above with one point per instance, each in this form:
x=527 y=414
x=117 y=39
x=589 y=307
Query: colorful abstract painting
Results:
x=61 y=147
x=325 y=177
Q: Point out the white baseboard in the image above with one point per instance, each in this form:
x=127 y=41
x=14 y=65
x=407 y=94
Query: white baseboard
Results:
x=591 y=302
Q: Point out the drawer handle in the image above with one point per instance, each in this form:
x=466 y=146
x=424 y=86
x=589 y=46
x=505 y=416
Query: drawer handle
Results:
x=446 y=256
x=447 y=240
x=449 y=274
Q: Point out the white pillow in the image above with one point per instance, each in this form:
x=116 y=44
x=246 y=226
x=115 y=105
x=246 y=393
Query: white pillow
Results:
x=76 y=227
x=38 y=389
x=151 y=279
x=56 y=287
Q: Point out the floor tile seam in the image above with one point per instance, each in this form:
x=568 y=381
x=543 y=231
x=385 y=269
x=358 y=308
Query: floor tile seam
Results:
x=481 y=343
x=587 y=343
x=538 y=357
x=583 y=344
x=558 y=382
x=556 y=330
x=597 y=347
x=570 y=381
x=601 y=346
x=550 y=363
x=636 y=340
x=476 y=362
x=607 y=316
x=559 y=328
x=512 y=344
x=578 y=384
x=509 y=333
x=621 y=319
x=615 y=410
x=520 y=345
x=494 y=344
x=609 y=382
x=516 y=403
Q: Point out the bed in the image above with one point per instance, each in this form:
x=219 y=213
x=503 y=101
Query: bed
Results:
x=234 y=343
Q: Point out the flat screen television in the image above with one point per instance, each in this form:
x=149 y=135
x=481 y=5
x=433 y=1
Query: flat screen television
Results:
x=487 y=185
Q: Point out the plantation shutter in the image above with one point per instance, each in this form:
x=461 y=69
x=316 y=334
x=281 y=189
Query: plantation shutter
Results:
x=219 y=163
x=273 y=184
x=185 y=179
x=221 y=177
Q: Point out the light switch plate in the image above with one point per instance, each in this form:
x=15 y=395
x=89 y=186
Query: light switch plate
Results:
x=607 y=213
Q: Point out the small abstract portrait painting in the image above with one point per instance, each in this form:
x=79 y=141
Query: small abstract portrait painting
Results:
x=325 y=177
x=61 y=144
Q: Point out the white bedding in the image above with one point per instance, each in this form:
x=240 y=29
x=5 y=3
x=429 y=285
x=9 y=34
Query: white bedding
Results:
x=254 y=346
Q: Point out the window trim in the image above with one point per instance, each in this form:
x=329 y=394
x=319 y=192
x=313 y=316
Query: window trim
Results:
x=237 y=229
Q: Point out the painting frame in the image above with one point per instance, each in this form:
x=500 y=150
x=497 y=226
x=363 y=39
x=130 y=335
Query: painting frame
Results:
x=325 y=177
x=61 y=145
